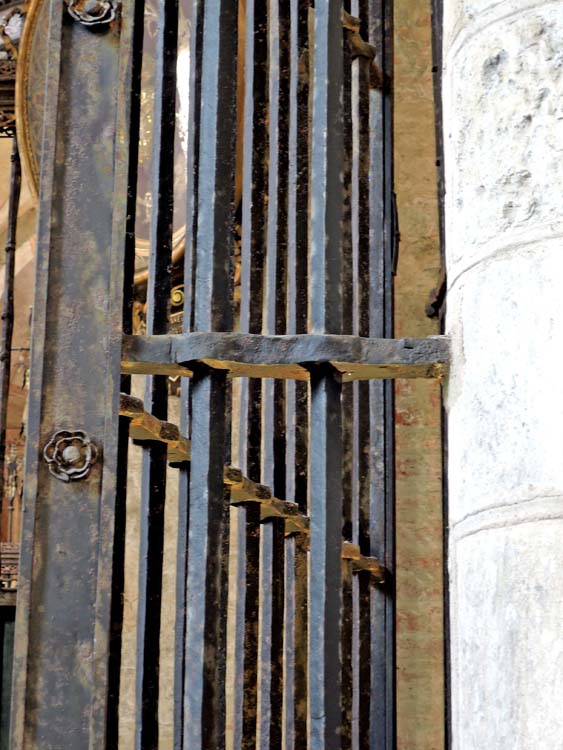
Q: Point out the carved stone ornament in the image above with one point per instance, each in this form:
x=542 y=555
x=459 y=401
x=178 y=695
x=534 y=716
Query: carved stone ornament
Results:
x=93 y=12
x=70 y=455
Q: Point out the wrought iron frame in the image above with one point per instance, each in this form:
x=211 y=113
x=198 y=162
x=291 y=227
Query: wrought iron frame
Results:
x=313 y=361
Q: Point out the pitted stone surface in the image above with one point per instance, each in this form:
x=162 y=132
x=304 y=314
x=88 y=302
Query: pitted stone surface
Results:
x=465 y=17
x=507 y=649
x=503 y=133
x=503 y=127
x=505 y=397
x=459 y=14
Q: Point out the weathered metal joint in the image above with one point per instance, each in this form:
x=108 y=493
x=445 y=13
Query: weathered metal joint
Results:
x=93 y=12
x=360 y=48
x=70 y=455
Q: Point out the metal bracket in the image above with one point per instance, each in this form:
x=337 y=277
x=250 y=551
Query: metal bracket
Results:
x=93 y=12
x=70 y=455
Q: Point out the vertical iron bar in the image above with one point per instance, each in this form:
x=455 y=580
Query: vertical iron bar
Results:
x=302 y=74
x=274 y=318
x=288 y=697
x=325 y=293
x=243 y=626
x=251 y=615
x=254 y=191
x=254 y=181
x=361 y=173
x=153 y=487
x=325 y=429
x=270 y=655
x=347 y=638
x=206 y=590
x=301 y=682
x=270 y=646
x=349 y=318
x=118 y=585
x=254 y=46
x=382 y=714
x=276 y=654
x=8 y=306
x=204 y=682
x=195 y=23
x=296 y=414
x=118 y=562
x=325 y=575
x=65 y=589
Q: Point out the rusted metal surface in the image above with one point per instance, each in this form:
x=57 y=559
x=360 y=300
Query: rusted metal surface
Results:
x=265 y=356
x=359 y=47
x=295 y=460
x=208 y=529
x=153 y=486
x=377 y=514
x=272 y=470
x=64 y=598
x=192 y=151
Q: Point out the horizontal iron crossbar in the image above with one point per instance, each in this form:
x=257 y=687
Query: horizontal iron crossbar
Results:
x=286 y=357
x=144 y=428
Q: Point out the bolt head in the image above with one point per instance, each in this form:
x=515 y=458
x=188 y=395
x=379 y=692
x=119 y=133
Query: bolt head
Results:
x=93 y=7
x=71 y=454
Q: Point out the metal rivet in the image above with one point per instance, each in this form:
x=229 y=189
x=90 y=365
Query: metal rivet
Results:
x=93 y=12
x=70 y=455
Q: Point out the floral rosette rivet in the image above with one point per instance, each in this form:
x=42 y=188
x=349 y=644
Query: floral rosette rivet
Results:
x=70 y=455
x=92 y=12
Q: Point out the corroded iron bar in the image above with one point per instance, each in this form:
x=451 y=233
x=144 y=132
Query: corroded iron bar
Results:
x=261 y=356
x=193 y=16
x=325 y=296
x=62 y=648
x=153 y=481
x=349 y=390
x=206 y=598
x=294 y=712
x=120 y=523
x=208 y=528
x=377 y=534
x=372 y=283
x=247 y=396
x=273 y=468
x=325 y=574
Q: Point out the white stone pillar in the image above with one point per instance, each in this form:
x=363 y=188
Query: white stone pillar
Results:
x=503 y=128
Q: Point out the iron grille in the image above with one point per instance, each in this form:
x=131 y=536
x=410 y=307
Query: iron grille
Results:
x=286 y=361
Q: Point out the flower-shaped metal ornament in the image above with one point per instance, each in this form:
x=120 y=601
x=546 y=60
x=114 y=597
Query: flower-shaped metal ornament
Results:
x=70 y=455
x=93 y=12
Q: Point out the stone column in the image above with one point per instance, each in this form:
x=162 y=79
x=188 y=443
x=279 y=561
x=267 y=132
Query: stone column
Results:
x=503 y=127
